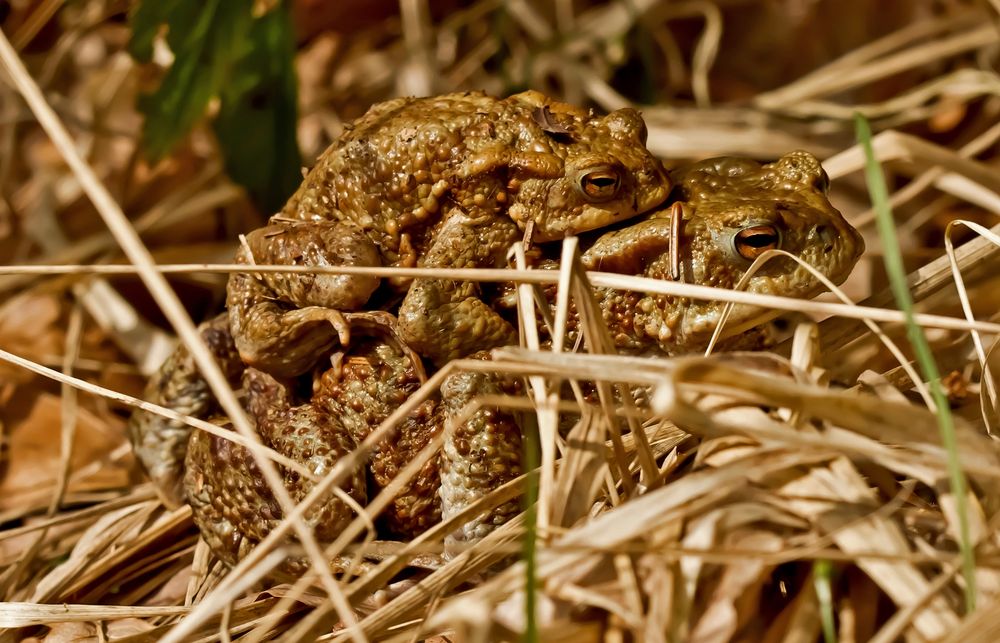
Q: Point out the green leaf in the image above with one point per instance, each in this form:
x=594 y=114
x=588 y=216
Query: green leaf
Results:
x=257 y=115
x=146 y=18
x=203 y=39
x=221 y=50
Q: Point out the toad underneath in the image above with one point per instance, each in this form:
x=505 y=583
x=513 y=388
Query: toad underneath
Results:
x=448 y=181
x=733 y=210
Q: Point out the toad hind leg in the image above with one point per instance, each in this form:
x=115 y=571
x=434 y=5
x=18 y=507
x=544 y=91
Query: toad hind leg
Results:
x=479 y=455
x=160 y=443
x=282 y=322
x=233 y=507
x=444 y=319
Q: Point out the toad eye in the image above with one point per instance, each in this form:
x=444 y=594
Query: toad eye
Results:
x=600 y=185
x=754 y=241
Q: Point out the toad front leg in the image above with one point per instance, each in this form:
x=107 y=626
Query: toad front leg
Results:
x=281 y=322
x=444 y=319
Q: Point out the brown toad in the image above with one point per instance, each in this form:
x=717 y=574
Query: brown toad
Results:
x=235 y=510
x=732 y=209
x=447 y=181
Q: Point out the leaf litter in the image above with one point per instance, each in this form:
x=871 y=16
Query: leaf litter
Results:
x=699 y=513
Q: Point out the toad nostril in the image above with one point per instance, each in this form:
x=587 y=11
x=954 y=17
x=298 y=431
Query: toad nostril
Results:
x=827 y=236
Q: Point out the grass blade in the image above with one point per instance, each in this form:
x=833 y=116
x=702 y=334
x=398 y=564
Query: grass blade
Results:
x=925 y=359
x=822 y=580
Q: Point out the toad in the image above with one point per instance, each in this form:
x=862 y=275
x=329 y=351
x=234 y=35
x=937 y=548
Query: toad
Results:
x=732 y=210
x=447 y=181
x=235 y=511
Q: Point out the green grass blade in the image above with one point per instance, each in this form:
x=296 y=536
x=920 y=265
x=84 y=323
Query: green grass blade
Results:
x=531 y=460
x=925 y=359
x=822 y=580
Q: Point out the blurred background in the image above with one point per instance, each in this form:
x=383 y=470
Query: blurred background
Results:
x=199 y=115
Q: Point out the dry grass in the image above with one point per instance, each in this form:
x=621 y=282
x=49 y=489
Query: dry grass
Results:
x=748 y=497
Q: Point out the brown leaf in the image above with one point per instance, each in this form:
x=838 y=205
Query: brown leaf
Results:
x=35 y=452
x=70 y=633
x=29 y=327
x=122 y=627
